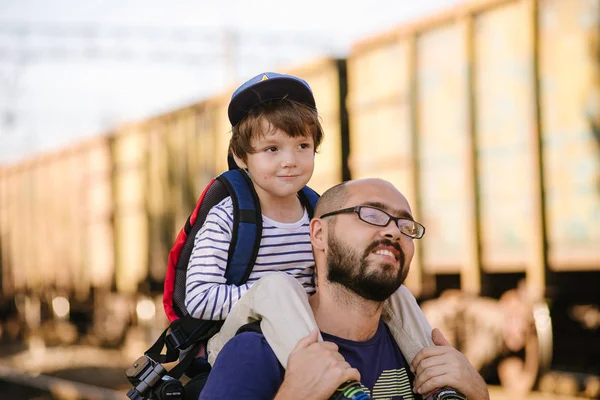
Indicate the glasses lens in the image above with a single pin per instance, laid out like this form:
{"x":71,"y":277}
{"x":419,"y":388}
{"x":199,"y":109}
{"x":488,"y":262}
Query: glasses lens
{"x":373,"y":216}
{"x":410,"y":228}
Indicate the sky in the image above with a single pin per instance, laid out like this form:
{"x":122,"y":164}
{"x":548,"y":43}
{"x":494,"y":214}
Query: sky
{"x":74,"y":69}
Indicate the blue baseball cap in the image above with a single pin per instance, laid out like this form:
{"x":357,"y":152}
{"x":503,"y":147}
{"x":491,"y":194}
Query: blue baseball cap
{"x":265,"y":87}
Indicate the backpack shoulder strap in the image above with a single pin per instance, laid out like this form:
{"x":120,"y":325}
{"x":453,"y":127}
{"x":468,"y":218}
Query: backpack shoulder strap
{"x":309,"y":199}
{"x":179,"y":255}
{"x":247,"y":226}
{"x":245,"y":240}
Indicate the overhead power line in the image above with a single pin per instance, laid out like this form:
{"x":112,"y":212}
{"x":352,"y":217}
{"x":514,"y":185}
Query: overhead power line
{"x":29,"y":43}
{"x":152,"y":33}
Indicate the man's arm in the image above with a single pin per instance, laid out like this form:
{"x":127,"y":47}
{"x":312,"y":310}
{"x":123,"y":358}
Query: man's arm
{"x":246,"y":368}
{"x":442,"y":365}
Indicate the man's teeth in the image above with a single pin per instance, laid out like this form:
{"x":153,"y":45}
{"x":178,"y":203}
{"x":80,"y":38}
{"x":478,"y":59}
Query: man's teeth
{"x":385,"y":253}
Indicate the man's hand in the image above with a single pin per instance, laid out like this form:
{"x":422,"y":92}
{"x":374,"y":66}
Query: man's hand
{"x":442,"y":365}
{"x":315,"y":370}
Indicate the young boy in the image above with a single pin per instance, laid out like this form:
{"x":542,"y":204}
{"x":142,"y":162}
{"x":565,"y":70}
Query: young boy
{"x":276,"y":132}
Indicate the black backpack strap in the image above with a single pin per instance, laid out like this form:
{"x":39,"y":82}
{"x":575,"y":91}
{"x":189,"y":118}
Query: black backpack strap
{"x":154,"y":352}
{"x":309,"y":199}
{"x":247,"y":226}
{"x":188,"y":330}
{"x":181,"y":334}
{"x":172,"y":355}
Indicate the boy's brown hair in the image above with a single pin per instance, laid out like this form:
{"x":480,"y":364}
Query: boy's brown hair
{"x":293,"y":118}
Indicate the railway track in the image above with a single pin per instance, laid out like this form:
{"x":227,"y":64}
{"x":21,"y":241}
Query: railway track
{"x":63,"y":373}
{"x":22,"y":385}
{"x":84,"y":372}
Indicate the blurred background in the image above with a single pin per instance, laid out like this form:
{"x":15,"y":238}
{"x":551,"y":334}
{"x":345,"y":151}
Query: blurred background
{"x":486,"y":114}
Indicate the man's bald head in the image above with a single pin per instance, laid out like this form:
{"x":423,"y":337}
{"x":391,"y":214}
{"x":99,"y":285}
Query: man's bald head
{"x":332,"y":199}
{"x":336,"y":197}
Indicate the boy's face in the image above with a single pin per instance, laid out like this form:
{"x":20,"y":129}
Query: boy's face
{"x":280,"y":165}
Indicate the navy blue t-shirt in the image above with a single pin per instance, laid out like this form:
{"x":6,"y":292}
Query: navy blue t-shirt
{"x":248,"y":369}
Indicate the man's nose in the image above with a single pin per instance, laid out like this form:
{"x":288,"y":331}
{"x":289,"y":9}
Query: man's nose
{"x":391,"y":231}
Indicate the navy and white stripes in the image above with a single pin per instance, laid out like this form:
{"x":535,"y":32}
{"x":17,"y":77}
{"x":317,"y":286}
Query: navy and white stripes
{"x":283,"y":247}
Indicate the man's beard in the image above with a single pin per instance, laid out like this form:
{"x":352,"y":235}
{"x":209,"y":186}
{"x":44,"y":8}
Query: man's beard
{"x":350,"y":270}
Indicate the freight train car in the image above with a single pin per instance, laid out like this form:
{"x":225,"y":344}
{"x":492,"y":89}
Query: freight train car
{"x":85,"y":232}
{"x":487,"y":117}
{"x":56,"y":235}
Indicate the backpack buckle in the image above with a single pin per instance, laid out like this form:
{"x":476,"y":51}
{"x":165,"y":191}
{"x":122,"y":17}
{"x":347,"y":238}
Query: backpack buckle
{"x":176,"y":338}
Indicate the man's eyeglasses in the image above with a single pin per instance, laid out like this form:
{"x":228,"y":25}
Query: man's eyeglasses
{"x":377,"y":217}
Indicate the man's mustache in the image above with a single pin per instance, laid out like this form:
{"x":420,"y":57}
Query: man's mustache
{"x":385,"y":242}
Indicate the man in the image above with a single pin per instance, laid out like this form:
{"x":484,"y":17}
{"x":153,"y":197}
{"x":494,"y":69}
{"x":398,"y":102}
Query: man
{"x":363,"y":244}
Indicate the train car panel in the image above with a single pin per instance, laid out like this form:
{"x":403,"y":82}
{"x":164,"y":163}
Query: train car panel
{"x":6,"y":285}
{"x":504,"y":119}
{"x":368,"y":87}
{"x":158,"y":200}
{"x":15,"y":275}
{"x":202,"y":153}
{"x":75,"y":221}
{"x":59,"y":177}
{"x":68,"y":214}
{"x":570,"y":99}
{"x":442,"y":108}
{"x":52,"y":230}
{"x":29,"y":239}
{"x":381,"y":145}
{"x":174,"y":182}
{"x":381,"y":122}
{"x":131,"y":241}
{"x":44,"y":194}
{"x":12,"y":230}
{"x":99,"y":246}
{"x":222,"y":129}
{"x":63,"y":211}
{"x":180,"y":125}
{"x":4,"y":274}
{"x":17,"y":272}
{"x":78,"y":201}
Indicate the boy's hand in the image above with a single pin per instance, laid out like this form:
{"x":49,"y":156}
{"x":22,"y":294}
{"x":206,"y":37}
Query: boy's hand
{"x":315,"y":370}
{"x":442,"y":365}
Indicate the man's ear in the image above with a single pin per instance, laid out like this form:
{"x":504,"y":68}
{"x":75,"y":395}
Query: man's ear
{"x":240,"y":163}
{"x":318,"y":234}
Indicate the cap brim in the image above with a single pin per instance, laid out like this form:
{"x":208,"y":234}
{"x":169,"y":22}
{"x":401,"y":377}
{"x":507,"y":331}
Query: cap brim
{"x":269,"y":89}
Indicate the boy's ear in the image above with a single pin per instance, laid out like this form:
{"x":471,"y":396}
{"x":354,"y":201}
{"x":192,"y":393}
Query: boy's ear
{"x":240,"y":163}
{"x":318,"y":234}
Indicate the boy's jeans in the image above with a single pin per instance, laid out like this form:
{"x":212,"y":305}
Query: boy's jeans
{"x":281,"y":303}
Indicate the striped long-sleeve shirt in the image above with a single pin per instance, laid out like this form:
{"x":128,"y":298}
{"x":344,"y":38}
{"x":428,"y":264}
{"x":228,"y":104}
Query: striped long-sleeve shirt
{"x":283,"y":247}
